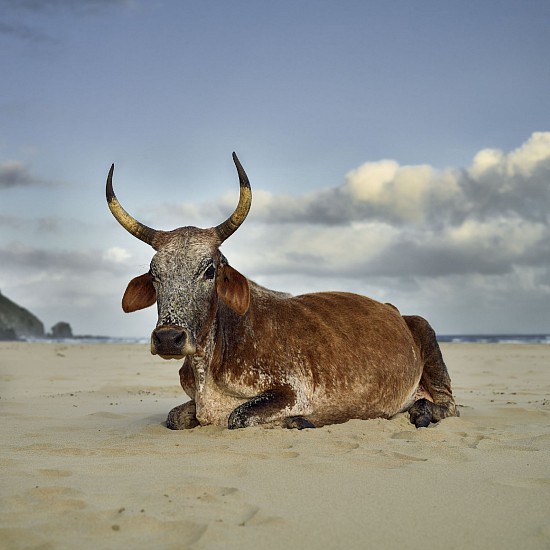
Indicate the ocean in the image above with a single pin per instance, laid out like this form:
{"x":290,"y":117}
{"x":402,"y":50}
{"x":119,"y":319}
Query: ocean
{"x":453,"y":338}
{"x":495,"y":338}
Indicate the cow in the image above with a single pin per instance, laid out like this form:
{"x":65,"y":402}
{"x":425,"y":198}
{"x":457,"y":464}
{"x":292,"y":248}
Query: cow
{"x":253,"y":356}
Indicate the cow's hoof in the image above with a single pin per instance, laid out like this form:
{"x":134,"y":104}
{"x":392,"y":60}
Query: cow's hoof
{"x":182,"y":417}
{"x":421,"y":413}
{"x":298,"y":423}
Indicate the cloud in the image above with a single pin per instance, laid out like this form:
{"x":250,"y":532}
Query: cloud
{"x":398,"y":222}
{"x":19,"y":12}
{"x":382,"y":250}
{"x":496,"y":185}
{"x":116,"y":254}
{"x":10,"y":221}
{"x":20,"y":259}
{"x":18,"y":226}
{"x":47,"y":225}
{"x":517,"y":183}
{"x":469,"y":248}
{"x":24,"y":32}
{"x":401,"y":221}
{"x":486,"y":248}
{"x":51,"y":5}
{"x":15,"y":174}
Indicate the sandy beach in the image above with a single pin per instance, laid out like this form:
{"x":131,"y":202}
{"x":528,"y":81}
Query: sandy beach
{"x":88,"y":463}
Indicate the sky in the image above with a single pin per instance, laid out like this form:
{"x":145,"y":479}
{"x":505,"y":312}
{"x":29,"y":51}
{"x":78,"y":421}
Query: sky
{"x":395,"y":149}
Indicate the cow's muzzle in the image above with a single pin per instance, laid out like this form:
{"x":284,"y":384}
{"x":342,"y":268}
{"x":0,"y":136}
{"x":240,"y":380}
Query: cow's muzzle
{"x":171,"y":342}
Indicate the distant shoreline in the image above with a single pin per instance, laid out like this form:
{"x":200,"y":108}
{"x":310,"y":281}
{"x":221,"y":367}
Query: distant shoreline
{"x":443,"y":338}
{"x":494,"y":338}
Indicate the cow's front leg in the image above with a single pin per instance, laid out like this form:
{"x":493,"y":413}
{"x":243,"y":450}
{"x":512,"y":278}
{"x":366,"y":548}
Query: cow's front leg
{"x":183,"y":417}
{"x":266,"y":408}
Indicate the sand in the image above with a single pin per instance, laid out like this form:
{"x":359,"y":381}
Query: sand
{"x":86,"y":462}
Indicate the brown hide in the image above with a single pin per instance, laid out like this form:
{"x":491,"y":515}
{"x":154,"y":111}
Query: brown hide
{"x":345,"y":356}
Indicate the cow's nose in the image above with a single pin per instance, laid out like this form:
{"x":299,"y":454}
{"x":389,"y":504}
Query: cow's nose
{"x":169,"y":342}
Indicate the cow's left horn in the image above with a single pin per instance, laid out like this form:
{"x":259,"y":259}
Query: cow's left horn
{"x":229,"y":226}
{"x":137,"y":229}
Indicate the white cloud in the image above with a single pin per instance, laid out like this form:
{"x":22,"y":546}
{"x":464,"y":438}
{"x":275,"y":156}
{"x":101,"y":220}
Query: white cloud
{"x":369,"y":181}
{"x":315,"y":250}
{"x":526,"y":159}
{"x":402,"y":193}
{"x":485,"y":161}
{"x":495,"y":185}
{"x":117,"y":255}
{"x":510,"y":237}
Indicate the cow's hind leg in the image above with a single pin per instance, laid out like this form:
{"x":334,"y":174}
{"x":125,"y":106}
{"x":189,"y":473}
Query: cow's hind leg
{"x":435,"y":377}
{"x":267,"y":408}
{"x":183,"y":417}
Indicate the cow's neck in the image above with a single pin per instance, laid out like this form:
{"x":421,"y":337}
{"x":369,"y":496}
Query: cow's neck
{"x":203,"y":359}
{"x":213,"y":403}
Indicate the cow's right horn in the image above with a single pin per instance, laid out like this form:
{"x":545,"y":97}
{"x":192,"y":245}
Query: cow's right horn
{"x":229,"y":226}
{"x":137,"y":229}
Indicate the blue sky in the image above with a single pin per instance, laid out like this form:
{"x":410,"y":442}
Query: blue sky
{"x":397,"y":149}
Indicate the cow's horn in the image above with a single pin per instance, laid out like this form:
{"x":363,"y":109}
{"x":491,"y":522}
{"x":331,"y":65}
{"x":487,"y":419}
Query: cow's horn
{"x":229,"y":226}
{"x":137,"y":229}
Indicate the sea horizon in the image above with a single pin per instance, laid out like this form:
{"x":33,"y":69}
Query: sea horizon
{"x":496,"y":338}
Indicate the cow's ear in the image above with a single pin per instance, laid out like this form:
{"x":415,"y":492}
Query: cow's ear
{"x":140,"y":293}
{"x":233,"y":289}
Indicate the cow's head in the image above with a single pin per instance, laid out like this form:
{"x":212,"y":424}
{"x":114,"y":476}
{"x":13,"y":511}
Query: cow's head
{"x":188,"y":276}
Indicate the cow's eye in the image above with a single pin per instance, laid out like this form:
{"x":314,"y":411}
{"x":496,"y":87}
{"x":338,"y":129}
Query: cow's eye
{"x":210,"y":273}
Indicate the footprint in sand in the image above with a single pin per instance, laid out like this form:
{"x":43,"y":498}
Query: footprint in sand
{"x":105,"y":414}
{"x":273,"y":455}
{"x":525,"y":483}
{"x":218,"y":504}
{"x":45,"y":500}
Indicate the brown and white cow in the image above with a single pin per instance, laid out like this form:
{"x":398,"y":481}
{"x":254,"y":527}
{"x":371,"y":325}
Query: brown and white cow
{"x":253,"y":356}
